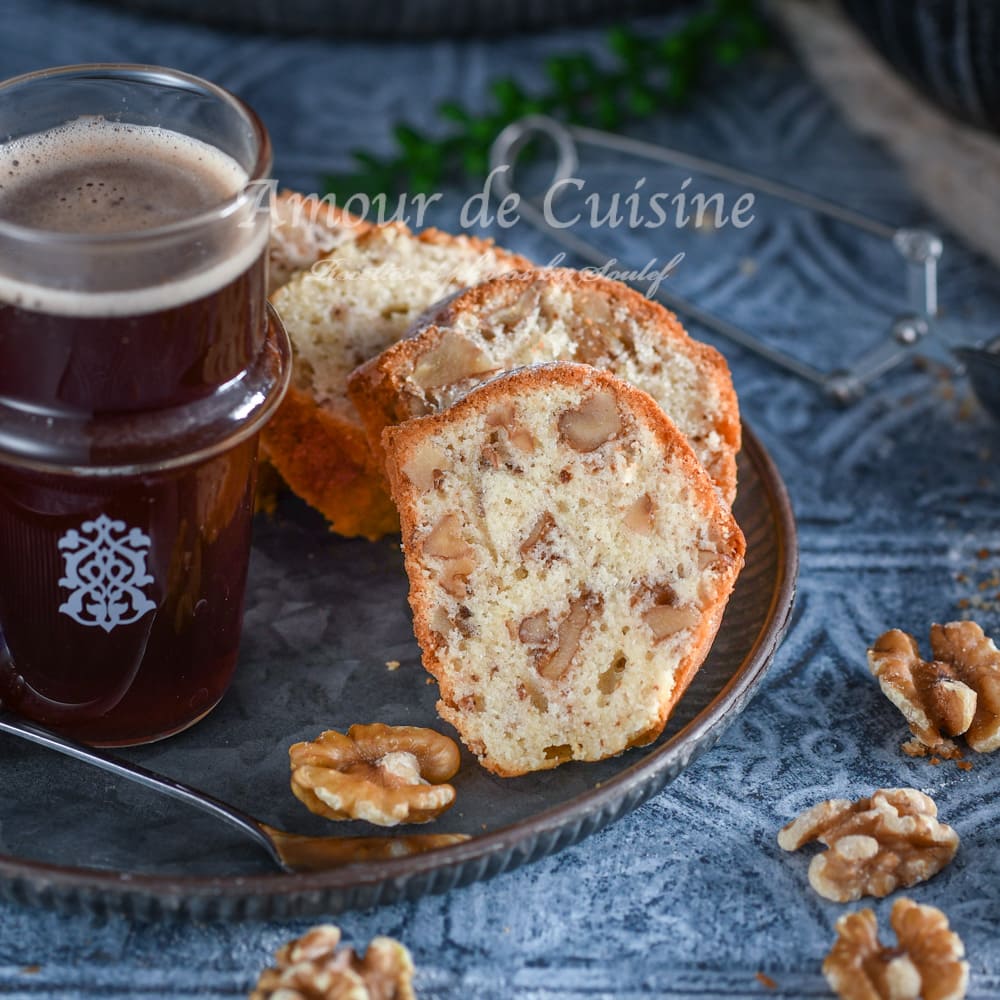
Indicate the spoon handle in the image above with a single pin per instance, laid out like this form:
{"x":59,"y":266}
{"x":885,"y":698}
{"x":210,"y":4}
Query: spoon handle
{"x":16,"y":726}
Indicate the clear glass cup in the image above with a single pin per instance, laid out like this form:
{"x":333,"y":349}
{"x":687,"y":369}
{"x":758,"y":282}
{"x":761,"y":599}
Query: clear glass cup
{"x":137,"y":368}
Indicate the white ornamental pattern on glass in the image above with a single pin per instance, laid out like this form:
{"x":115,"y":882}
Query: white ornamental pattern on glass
{"x":105,"y":571}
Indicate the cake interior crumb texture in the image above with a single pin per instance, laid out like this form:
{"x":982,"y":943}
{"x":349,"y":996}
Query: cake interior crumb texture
{"x":561,"y":595}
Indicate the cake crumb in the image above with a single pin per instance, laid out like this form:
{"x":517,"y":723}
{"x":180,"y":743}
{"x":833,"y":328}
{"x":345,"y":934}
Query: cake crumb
{"x":963,"y":765}
{"x":765,"y":980}
{"x":30,"y":970}
{"x":392,"y":664}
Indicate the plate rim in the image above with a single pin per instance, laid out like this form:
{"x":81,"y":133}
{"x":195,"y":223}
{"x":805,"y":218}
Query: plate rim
{"x":277,"y":895}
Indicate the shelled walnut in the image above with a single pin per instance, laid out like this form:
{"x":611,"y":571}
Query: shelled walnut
{"x":927,"y":962}
{"x":445,"y":542}
{"x":889,"y":841}
{"x":593,"y":422}
{"x":455,"y":359}
{"x":662,"y":614}
{"x":315,"y":967}
{"x":957,"y":693}
{"x":555,"y":644}
{"x":384,"y":775}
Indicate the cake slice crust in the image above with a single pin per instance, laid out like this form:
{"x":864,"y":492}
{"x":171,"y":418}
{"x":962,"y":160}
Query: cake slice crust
{"x":569,"y":563}
{"x":303,"y":229}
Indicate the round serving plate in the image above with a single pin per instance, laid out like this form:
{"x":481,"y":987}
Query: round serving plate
{"x":328,"y":642}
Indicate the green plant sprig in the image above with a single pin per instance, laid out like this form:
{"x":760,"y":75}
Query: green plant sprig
{"x":651,"y":73}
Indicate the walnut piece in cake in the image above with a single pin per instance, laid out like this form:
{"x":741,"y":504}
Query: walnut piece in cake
{"x":876,"y":845}
{"x":956,"y":693}
{"x":315,"y":967}
{"x":928,"y":961}
{"x":385,"y":775}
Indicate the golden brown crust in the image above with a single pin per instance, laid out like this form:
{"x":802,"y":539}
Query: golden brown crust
{"x":438,"y":237}
{"x":325,"y":461}
{"x":401,"y":442}
{"x":303,"y":228}
{"x":380,"y":393}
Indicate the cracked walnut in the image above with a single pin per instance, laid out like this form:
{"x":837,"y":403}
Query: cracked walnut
{"x":385,"y":775}
{"x":956,"y":693}
{"x":315,"y":967}
{"x":876,"y":845}
{"x":928,"y":961}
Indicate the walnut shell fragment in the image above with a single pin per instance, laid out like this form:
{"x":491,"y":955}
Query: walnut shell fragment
{"x":956,"y":693}
{"x":928,"y":961}
{"x":889,"y":841}
{"x":385,"y":775}
{"x":315,"y":967}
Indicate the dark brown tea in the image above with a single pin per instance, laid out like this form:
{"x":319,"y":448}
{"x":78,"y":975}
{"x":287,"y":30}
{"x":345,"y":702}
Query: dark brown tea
{"x":121,"y":592}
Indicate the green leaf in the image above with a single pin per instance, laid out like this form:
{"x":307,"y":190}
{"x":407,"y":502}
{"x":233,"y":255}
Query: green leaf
{"x":678,"y":86}
{"x":642,"y":102}
{"x":366,"y":160}
{"x":608,"y":114}
{"x":476,"y":162}
{"x":453,"y":111}
{"x":672,"y":47}
{"x":625,"y":44}
{"x":728,"y":51}
{"x":410,"y":141}
{"x":558,"y":70}
{"x":509,"y":96}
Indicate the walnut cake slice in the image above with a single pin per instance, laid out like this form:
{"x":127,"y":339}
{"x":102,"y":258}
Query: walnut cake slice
{"x":569,"y":563}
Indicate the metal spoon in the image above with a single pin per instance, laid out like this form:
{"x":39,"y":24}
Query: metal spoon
{"x":291,"y":852}
{"x":983,"y":367}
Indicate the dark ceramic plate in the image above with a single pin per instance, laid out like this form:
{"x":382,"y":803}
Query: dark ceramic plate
{"x":324,"y":615}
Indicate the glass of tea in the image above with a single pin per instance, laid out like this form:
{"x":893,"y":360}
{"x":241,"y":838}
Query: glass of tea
{"x":138,"y":362}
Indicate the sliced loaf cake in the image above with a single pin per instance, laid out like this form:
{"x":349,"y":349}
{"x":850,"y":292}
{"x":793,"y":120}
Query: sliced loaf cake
{"x":556,"y":314}
{"x":351,"y":305}
{"x":569,"y":563}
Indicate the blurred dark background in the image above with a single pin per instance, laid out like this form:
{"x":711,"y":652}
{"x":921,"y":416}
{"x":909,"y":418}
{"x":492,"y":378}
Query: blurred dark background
{"x":949,"y":48}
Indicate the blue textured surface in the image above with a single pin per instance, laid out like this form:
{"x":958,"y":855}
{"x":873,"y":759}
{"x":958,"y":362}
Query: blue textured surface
{"x":896,"y":497}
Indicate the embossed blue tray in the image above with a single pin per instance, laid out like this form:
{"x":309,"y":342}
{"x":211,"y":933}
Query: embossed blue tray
{"x":324,"y":617}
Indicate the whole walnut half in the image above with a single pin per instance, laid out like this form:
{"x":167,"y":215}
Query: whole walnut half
{"x":927,"y":962}
{"x":315,"y":967}
{"x":956,"y":693}
{"x":889,"y":841}
{"x":385,"y":775}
